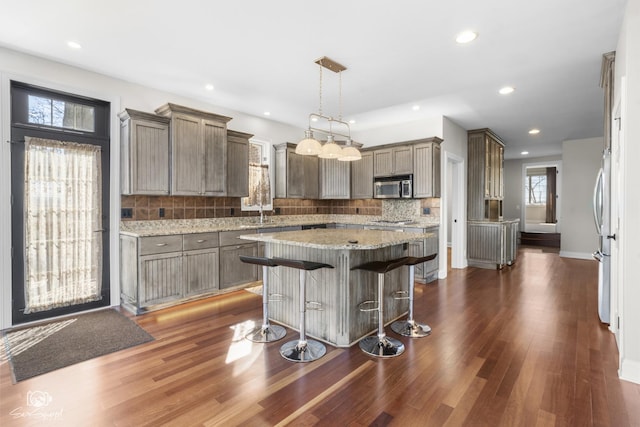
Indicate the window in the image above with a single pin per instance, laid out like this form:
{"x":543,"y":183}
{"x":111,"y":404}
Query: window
{"x":62,"y":114}
{"x":260,"y":194}
{"x":536,"y":187}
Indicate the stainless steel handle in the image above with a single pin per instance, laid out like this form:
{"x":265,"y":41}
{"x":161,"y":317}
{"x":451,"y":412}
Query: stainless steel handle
{"x":200,"y":240}
{"x":102,"y":230}
{"x":161,"y":244}
{"x":597,"y":202}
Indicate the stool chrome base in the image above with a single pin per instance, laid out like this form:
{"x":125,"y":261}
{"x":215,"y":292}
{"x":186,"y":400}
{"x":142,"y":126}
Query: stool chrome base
{"x":263,"y":334}
{"x":302,"y":351}
{"x":409,"y":328}
{"x":381,"y":347}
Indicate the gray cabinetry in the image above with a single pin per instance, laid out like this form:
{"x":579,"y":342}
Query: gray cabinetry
{"x":198,"y":151}
{"x":234,"y":272}
{"x":237,"y":163}
{"x":157,"y":271}
{"x":335,"y":179}
{"x":427,"y":271}
{"x":296,"y":175}
{"x":426,"y":169}
{"x":485,"y":175}
{"x":144,"y":153}
{"x":396,"y":160}
{"x":362,"y":177}
{"x":492,"y":244}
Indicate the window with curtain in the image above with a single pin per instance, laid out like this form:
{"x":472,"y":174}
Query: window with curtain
{"x":536,"y":186}
{"x":62,"y":224}
{"x":260,"y":195}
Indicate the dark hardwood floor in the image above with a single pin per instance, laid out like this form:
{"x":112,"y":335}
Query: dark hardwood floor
{"x":517,"y":347}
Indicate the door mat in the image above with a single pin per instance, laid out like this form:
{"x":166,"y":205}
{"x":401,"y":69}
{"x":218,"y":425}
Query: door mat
{"x":43,"y":348}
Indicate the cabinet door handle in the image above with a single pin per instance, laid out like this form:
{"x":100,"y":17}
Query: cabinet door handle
{"x":201,"y":240}
{"x":161,"y":244}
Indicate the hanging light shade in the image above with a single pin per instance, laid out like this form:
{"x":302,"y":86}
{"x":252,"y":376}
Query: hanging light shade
{"x":330,"y":150}
{"x":308,"y":146}
{"x":350,"y":153}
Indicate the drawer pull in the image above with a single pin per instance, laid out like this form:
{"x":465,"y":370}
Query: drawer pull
{"x":201,"y":241}
{"x":161,"y":244}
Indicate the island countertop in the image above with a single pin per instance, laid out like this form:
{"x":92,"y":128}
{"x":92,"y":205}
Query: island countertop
{"x":340,"y":239}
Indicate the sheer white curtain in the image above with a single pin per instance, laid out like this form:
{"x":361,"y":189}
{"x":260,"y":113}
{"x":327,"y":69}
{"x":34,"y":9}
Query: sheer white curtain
{"x":62,"y":224}
{"x":259,"y":186}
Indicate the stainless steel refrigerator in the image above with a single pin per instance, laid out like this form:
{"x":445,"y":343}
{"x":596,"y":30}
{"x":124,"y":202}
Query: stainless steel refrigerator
{"x":602,"y":218}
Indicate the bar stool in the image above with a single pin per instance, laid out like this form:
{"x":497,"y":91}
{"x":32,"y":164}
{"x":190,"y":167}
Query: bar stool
{"x":409,"y":327}
{"x":381,"y":345}
{"x":266,"y":332}
{"x":302,"y":350}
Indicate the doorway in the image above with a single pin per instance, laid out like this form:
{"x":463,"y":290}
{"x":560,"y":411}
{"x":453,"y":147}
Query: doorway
{"x":452,"y":241}
{"x":60,"y":203}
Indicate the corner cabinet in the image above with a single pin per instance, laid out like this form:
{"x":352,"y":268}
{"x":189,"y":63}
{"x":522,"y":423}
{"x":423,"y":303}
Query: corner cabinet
{"x":144,"y":153}
{"x":296,"y":175}
{"x":237,"y":163}
{"x":198,"y":151}
{"x":362,"y":177}
{"x":426,"y":168}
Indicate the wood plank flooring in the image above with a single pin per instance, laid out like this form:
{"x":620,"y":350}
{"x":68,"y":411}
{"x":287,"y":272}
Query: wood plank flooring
{"x":517,"y":347}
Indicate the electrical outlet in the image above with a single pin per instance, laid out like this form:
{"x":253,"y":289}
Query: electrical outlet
{"x":277,"y":210}
{"x":357,"y":210}
{"x":233,"y":211}
{"x":426,"y":211}
{"x":161,"y":212}
{"x":126,"y":213}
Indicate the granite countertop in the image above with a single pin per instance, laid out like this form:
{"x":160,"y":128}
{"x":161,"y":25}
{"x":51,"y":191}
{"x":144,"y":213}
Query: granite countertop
{"x":188,"y":226}
{"x":332,"y":238}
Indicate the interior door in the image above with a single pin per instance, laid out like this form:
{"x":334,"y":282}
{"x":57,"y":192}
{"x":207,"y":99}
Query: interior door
{"x":40,"y":278}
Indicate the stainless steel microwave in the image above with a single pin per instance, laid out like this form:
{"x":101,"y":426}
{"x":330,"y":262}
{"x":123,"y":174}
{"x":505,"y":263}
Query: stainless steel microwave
{"x":393,"y":187}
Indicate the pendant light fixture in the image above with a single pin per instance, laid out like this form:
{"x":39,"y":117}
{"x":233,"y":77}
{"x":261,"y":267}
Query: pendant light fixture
{"x":310,"y":146}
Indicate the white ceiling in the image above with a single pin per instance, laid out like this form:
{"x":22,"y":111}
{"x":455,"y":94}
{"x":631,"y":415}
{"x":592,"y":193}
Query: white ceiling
{"x":260,"y":57}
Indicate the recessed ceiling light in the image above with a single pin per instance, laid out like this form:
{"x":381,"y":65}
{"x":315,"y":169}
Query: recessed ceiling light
{"x":466,"y":37}
{"x":524,"y":153}
{"x":267,"y":113}
{"x":209,"y":86}
{"x":415,"y":107}
{"x":506,"y":90}
{"x":352,"y":121}
{"x":74,"y":45}
{"x":534,"y":131}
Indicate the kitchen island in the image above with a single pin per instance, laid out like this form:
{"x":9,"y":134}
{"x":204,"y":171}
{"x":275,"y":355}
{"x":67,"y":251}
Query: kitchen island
{"x":337,"y":291}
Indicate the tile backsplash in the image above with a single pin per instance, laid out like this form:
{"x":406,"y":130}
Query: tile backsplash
{"x":191,"y":207}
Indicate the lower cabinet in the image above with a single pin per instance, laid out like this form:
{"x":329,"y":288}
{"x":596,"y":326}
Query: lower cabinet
{"x":492,"y":244}
{"x":235,"y":272}
{"x":160,"y":278}
{"x":158,"y":271}
{"x":427,"y":271}
{"x":201,"y":271}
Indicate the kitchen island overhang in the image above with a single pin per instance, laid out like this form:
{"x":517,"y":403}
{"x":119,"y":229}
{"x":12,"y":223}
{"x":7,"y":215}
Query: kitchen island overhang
{"x":337,"y":292}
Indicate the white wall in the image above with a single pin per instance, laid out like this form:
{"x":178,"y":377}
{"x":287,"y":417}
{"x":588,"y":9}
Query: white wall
{"x":628,"y":65}
{"x":454,"y":159}
{"x":121,"y":94}
{"x":514,"y":185}
{"x":581,"y":160}
{"x":408,"y":131}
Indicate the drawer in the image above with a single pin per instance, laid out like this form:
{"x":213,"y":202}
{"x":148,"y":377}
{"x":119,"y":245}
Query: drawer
{"x":200,"y":241}
{"x":228,"y":238}
{"x":160,"y":244}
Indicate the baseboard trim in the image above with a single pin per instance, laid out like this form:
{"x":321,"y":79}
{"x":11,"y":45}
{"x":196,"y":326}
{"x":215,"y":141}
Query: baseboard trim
{"x":578,"y":255}
{"x":629,"y":371}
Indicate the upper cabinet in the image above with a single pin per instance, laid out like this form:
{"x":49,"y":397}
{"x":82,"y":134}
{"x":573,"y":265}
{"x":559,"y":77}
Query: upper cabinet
{"x":296,"y":175}
{"x":237,"y":163}
{"x":335,"y":179}
{"x":198,"y":151}
{"x":144,"y":153}
{"x":426,"y":168}
{"x":396,"y":160}
{"x":485,"y":175}
{"x":362,"y":177}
